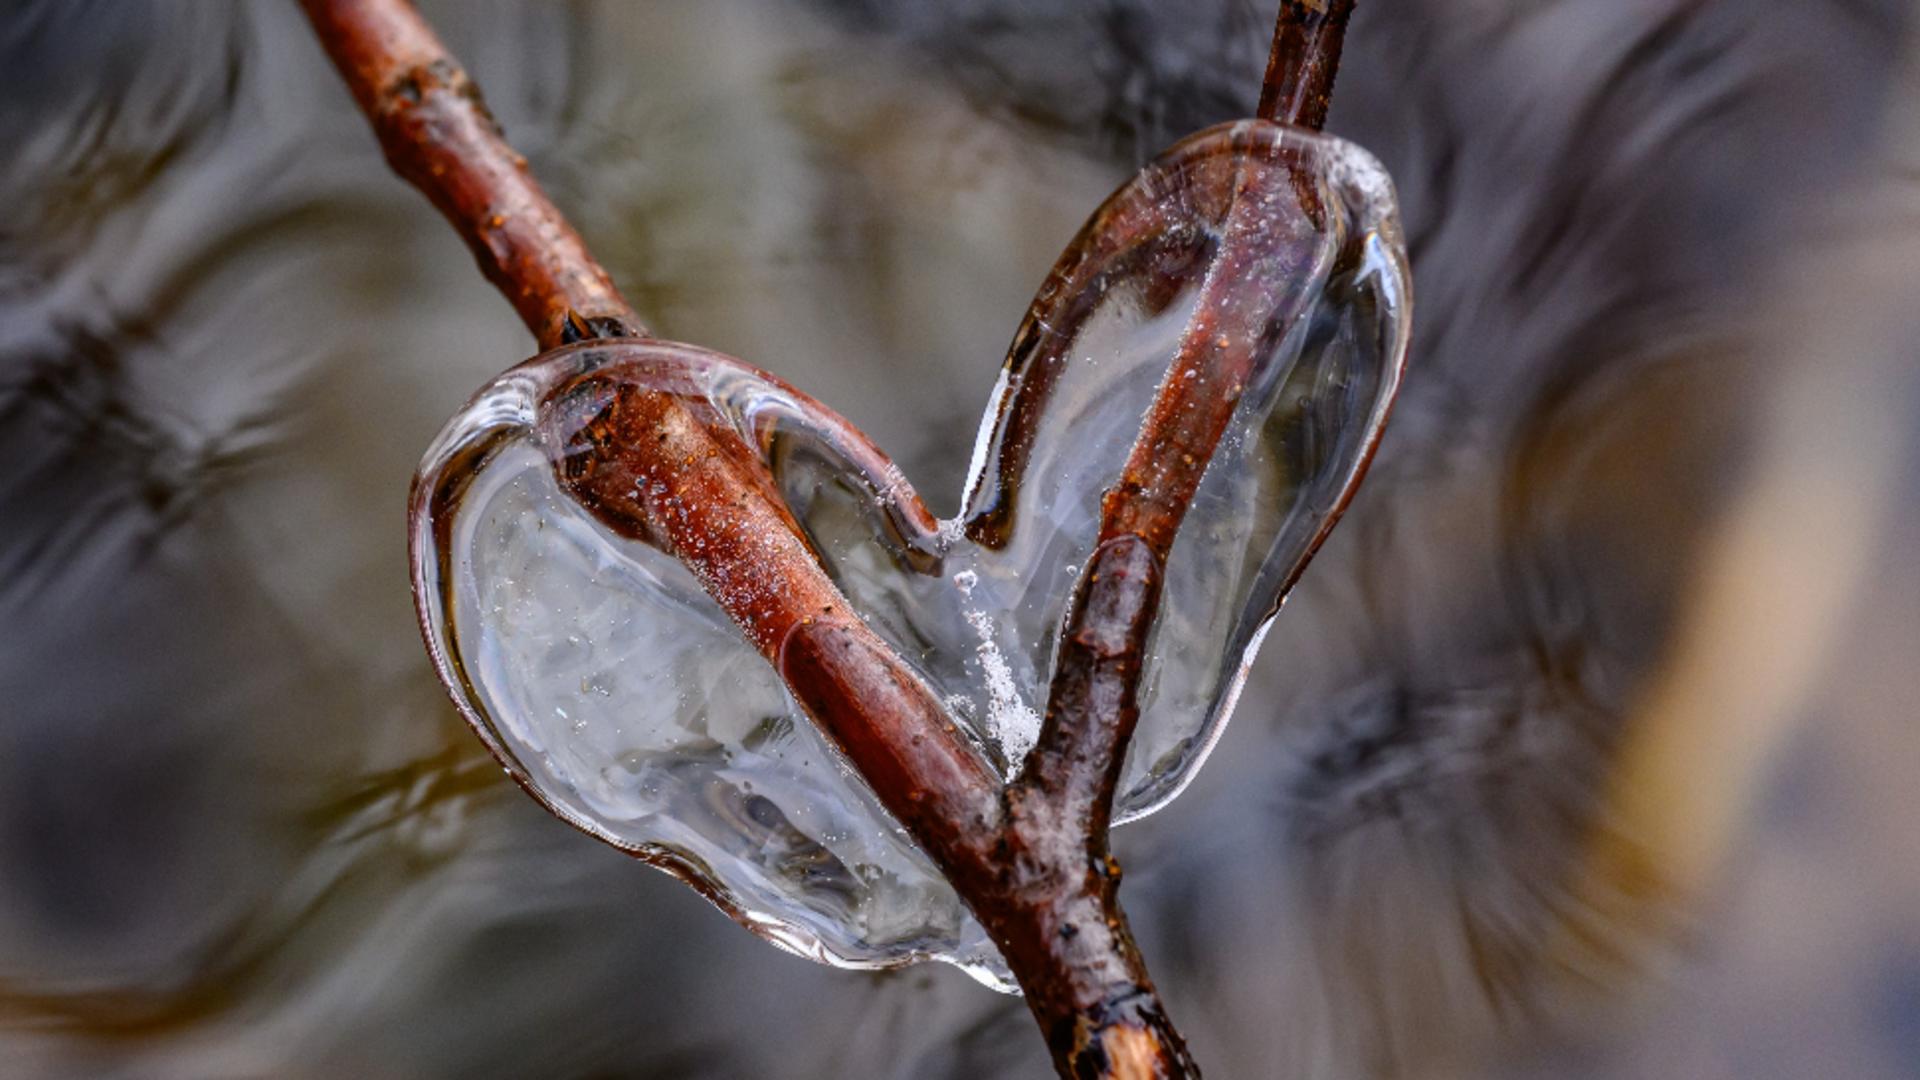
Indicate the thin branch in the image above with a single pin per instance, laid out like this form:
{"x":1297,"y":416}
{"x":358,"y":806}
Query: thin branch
{"x":1067,"y":787}
{"x":1030,"y":858}
{"x":738,"y":540}
{"x":646,"y":465}
{"x":1304,"y":59}
{"x":438,"y":135}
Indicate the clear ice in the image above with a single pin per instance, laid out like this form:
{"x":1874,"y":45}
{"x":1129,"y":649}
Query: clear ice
{"x":618,"y":693}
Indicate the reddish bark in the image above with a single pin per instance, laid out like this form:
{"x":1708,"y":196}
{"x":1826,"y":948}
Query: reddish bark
{"x":1092,"y":705}
{"x":1030,"y":858}
{"x":438,"y":135}
{"x":640,"y":458}
{"x":1303,"y":61}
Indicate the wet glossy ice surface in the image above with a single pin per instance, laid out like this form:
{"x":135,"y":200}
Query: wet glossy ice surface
{"x":611,"y":685}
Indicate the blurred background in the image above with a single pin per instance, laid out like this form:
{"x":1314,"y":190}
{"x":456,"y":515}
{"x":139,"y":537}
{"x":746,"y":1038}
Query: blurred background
{"x":1587,"y":748}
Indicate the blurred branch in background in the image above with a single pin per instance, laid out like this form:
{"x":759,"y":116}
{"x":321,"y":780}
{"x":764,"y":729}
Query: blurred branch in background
{"x":1774,"y":592}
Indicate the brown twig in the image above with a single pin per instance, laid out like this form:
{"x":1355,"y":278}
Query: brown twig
{"x":438,"y":135}
{"x":1074,"y":769}
{"x":1303,"y":61}
{"x":1030,"y":858}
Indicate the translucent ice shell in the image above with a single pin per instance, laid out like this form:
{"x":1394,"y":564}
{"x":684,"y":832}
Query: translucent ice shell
{"x":619,"y":694}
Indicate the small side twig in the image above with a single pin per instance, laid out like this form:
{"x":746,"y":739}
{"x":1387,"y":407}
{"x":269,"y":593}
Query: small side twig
{"x":1030,"y":858}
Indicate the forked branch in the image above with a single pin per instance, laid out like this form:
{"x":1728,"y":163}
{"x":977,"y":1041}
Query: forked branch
{"x":1030,"y":858}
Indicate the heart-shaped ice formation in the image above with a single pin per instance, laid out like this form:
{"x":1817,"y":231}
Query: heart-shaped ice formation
{"x":614,"y":688}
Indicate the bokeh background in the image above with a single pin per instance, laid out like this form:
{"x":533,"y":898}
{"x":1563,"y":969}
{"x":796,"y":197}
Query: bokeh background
{"x":1587,"y":748}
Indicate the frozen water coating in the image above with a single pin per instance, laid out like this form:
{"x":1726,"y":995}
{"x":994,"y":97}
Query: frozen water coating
{"x":611,"y":685}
